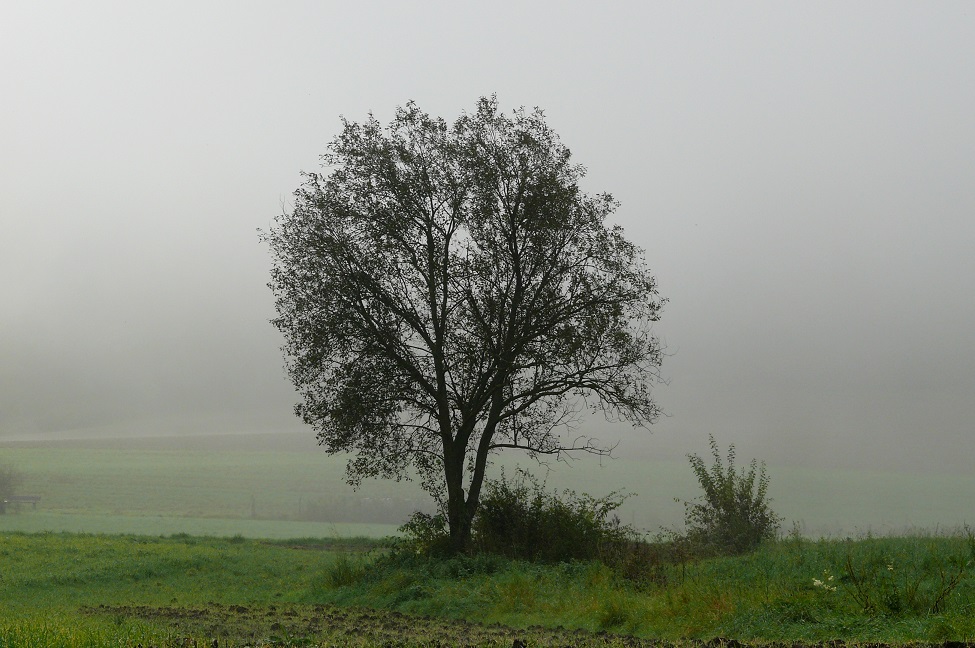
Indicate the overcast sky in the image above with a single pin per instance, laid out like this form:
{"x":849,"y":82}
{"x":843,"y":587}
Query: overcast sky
{"x":800,"y":174}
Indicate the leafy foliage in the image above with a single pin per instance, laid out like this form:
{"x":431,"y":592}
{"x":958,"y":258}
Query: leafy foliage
{"x":733,"y":516}
{"x":446,"y":293}
{"x":519,"y":519}
{"x":423,"y":535}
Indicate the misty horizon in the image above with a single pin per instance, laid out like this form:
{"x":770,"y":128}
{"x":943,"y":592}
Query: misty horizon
{"x":800,"y":178}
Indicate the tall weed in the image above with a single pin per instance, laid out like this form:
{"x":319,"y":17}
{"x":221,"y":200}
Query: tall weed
{"x":734,"y":514}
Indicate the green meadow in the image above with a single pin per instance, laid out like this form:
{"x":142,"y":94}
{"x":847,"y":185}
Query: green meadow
{"x":52,"y":583}
{"x":241,"y":484}
{"x":256,"y":486}
{"x":171,"y":541}
{"x":161,"y":525}
{"x":101,"y":590}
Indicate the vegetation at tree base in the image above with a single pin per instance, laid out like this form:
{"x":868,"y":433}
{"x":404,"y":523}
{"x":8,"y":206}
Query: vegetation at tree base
{"x":518,"y":519}
{"x":446,"y":293}
{"x":85,"y":590}
{"x":733,"y":516}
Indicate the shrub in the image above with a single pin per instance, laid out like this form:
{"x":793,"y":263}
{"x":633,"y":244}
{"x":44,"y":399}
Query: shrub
{"x":518,"y":519}
{"x":643,"y":563}
{"x":423,"y":535}
{"x":733,"y":516}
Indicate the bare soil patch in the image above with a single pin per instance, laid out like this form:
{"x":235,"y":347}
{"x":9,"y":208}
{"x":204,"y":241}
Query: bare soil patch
{"x":293,"y":625}
{"x":298,"y":625}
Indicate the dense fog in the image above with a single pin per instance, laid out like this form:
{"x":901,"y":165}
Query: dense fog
{"x":799,"y":176}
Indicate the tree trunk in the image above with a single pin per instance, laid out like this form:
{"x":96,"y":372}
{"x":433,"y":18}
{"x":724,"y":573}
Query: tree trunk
{"x":458,"y":519}
{"x":460,"y":532}
{"x":461,"y":506}
{"x":461,"y":509}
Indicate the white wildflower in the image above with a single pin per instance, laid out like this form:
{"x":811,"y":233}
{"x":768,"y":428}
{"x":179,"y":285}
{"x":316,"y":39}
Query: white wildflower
{"x":825,"y":584}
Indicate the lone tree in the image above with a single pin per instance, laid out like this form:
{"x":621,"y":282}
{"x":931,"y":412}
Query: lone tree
{"x":449,"y":292}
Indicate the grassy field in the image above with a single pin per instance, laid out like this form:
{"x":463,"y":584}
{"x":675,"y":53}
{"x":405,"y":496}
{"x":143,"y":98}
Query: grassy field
{"x":889,"y":590}
{"x":204,"y":553}
{"x":52,"y":583}
{"x":30,"y":522}
{"x":133,"y":482}
{"x":95,"y":590}
{"x":219,"y":477}
{"x":258,"y":486}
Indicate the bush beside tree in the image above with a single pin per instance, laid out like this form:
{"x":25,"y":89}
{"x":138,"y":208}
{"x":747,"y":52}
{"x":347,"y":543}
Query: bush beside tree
{"x":519,"y":519}
{"x":734,"y":514}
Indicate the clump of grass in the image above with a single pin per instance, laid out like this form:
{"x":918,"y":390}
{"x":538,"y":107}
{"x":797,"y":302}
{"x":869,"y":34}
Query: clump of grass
{"x":71,"y":631}
{"x":68,"y":571}
{"x":345,"y":571}
{"x":613,"y":612}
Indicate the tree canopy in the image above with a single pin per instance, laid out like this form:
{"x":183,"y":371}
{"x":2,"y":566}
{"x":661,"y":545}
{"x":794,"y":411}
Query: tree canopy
{"x":448,"y":292}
